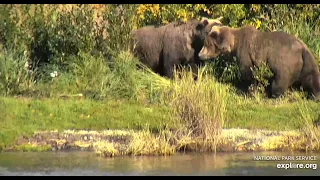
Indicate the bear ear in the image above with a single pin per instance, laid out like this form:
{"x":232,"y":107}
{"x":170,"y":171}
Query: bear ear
{"x":214,"y":33}
{"x":204,"y":21}
{"x":220,"y":18}
{"x":215,"y":22}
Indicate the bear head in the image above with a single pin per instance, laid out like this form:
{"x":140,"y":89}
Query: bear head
{"x":220,"y":40}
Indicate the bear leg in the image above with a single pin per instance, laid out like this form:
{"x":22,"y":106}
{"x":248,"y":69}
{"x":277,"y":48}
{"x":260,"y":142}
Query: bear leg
{"x":311,"y":83}
{"x":248,"y":80}
{"x":279,"y":85}
{"x":168,"y":69}
{"x":194,"y":69}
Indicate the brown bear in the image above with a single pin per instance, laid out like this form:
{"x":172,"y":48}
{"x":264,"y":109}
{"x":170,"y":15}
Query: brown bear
{"x":289,"y":58}
{"x":178,"y":43}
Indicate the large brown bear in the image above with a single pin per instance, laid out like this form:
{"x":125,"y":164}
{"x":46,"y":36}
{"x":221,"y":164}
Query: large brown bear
{"x":288,"y":57}
{"x":177,"y":43}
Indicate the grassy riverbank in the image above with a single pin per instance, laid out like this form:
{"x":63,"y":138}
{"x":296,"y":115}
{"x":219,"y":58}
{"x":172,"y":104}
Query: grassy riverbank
{"x":66,"y":68}
{"x":22,"y":117}
{"x":96,"y":95}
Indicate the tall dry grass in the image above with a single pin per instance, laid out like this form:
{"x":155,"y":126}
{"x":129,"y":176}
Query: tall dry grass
{"x":200,"y":105}
{"x":310,"y":124}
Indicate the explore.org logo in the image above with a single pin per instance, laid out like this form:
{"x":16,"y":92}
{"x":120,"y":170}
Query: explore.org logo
{"x":290,"y":165}
{"x":297,"y":166}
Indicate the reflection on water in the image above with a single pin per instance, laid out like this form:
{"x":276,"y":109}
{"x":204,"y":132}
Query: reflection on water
{"x":87,"y":163}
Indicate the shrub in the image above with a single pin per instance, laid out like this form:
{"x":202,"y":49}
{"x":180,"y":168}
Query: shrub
{"x":200,"y":105}
{"x":55,"y":37}
{"x":14,"y":76}
{"x":262,"y":75}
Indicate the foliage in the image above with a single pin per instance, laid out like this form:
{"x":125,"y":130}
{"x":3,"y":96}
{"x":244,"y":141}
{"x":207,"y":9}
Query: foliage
{"x":50,"y":34}
{"x":205,"y":119}
{"x":262,"y":75}
{"x":165,"y":13}
{"x":14,"y":76}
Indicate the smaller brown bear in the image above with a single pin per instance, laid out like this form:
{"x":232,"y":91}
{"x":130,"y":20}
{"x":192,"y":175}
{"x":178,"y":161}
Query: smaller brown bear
{"x":289,"y":58}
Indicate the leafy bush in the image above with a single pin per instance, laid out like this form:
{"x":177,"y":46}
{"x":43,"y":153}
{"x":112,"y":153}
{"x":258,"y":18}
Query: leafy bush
{"x":262,"y":75}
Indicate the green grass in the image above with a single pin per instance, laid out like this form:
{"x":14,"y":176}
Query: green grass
{"x":267,"y":116}
{"x":21,"y":116}
{"x":32,"y":148}
{"x":118,"y":96}
{"x":24,"y":116}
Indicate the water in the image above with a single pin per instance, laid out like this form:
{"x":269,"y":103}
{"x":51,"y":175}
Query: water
{"x":88,"y":164}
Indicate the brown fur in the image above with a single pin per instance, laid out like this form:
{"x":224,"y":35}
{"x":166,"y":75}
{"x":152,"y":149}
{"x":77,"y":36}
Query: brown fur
{"x":178,"y":43}
{"x":289,"y":58}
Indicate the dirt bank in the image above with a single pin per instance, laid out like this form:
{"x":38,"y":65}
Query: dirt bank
{"x":129,"y":142}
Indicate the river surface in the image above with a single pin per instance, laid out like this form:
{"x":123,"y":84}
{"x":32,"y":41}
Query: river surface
{"x":88,"y":164}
